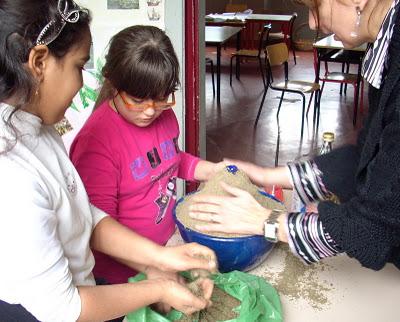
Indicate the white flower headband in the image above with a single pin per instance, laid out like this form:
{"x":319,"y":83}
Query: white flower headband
{"x":52,"y":30}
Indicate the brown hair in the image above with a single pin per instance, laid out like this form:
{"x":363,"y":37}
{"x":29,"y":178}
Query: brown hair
{"x":141,"y":61}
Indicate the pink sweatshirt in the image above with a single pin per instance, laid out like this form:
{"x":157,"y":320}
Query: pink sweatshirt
{"x":130,"y":173}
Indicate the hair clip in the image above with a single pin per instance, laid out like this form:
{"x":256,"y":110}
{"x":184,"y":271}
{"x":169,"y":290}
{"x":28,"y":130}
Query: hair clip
{"x":51,"y":31}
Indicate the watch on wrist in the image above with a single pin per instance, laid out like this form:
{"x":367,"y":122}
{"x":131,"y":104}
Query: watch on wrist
{"x":271,"y":226}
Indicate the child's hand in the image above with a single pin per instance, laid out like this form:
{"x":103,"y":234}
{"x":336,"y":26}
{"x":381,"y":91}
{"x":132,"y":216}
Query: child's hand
{"x":182,"y":299}
{"x":205,"y":170}
{"x":186,"y":257}
{"x":154,"y":273}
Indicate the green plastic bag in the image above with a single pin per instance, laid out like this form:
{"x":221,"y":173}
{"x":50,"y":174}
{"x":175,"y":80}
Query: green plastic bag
{"x":259,"y":300}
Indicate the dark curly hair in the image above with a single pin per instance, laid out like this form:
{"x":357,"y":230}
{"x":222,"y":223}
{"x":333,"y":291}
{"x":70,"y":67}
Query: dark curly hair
{"x":21,"y":22}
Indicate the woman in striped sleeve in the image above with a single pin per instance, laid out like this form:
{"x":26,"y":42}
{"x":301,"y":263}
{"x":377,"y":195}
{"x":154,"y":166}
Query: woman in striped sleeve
{"x":365,"y":177}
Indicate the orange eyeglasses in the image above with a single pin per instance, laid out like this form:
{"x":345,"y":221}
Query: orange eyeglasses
{"x":156,"y":105}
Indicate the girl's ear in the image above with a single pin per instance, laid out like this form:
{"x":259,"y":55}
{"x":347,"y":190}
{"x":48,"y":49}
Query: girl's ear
{"x":37,"y":61}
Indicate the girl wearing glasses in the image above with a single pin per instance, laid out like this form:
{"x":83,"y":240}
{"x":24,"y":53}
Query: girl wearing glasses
{"x":127,"y":153}
{"x":47,"y":225}
{"x":365,"y":176}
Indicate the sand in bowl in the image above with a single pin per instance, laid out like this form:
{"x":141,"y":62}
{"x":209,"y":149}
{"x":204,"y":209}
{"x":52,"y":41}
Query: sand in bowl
{"x":233,"y":177}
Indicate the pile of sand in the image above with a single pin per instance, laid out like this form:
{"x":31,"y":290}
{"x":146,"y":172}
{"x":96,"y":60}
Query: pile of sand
{"x":233,"y":177}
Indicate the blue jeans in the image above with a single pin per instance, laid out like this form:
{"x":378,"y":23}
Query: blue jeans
{"x":15,"y":313}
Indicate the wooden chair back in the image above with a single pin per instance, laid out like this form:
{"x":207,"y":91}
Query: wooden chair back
{"x":230,"y":7}
{"x":277,"y":54}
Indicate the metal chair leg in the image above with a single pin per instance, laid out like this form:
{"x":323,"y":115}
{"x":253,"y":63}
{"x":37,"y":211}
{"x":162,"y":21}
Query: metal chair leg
{"x":309,"y":103}
{"x":261,"y":105}
{"x":315,"y":107}
{"x":341,"y":84}
{"x":345,"y":85}
{"x":302,"y":116}
{"x":294,"y":52}
{"x":318,"y":108}
{"x":322,"y":87}
{"x":212,"y":76}
{"x":261,"y":70}
{"x":230,"y":75}
{"x":270,"y":78}
{"x":280,"y":104}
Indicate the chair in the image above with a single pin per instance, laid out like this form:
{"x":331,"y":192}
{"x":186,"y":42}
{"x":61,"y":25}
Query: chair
{"x":344,"y":77}
{"x":285,"y":36}
{"x":277,"y":55}
{"x":230,"y":7}
{"x":210,"y":62}
{"x":252,"y":53}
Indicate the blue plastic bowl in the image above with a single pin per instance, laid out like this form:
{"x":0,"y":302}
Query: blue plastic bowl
{"x":237,"y":253}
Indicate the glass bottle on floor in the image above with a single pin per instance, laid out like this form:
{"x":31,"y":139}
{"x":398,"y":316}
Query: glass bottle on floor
{"x":327,"y":140}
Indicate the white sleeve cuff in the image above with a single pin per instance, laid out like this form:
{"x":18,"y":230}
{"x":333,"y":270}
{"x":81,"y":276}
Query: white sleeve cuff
{"x":97,"y":215}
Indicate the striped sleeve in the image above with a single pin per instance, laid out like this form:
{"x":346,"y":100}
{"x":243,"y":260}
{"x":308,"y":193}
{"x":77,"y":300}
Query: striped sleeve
{"x":377,"y":56}
{"x":308,"y":239}
{"x":307,"y":181}
{"x":306,"y":234}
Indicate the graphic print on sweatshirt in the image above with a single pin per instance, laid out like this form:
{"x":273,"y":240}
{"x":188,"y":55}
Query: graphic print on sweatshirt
{"x":142,"y":165}
{"x":163,"y":179}
{"x":164,"y":199}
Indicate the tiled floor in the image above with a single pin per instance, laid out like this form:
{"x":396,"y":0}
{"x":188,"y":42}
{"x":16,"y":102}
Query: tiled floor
{"x":230,"y":128}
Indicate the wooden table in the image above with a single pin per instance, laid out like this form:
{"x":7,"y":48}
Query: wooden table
{"x":253,"y":24}
{"x":217,"y":36}
{"x":325,"y":50}
{"x":329,"y":42}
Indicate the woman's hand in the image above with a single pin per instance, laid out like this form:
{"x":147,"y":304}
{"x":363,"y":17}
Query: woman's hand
{"x":239,"y":213}
{"x":182,"y":299}
{"x":257,"y":174}
{"x":262,"y":176}
{"x":186,"y":257}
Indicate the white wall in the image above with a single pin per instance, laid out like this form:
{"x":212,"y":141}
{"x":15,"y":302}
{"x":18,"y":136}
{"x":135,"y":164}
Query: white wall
{"x":175,"y":29}
{"x":106,"y":22}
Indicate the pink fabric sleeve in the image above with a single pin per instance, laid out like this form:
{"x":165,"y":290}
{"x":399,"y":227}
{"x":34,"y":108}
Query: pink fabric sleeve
{"x":187,"y":166}
{"x":97,"y":167}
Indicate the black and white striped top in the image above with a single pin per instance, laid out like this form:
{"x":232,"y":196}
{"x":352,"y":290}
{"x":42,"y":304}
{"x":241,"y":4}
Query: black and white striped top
{"x":376,"y":57}
{"x":306,"y":234}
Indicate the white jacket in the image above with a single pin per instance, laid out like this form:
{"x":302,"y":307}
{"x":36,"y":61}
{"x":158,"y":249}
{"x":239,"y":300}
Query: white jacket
{"x":45,"y":223}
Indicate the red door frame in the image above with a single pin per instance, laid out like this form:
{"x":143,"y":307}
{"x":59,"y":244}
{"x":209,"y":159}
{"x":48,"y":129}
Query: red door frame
{"x":192,"y":81}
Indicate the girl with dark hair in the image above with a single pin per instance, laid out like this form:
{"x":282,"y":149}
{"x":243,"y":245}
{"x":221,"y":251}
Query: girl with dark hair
{"x":47,"y":225}
{"x":366,"y":176}
{"x":127,"y":153}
